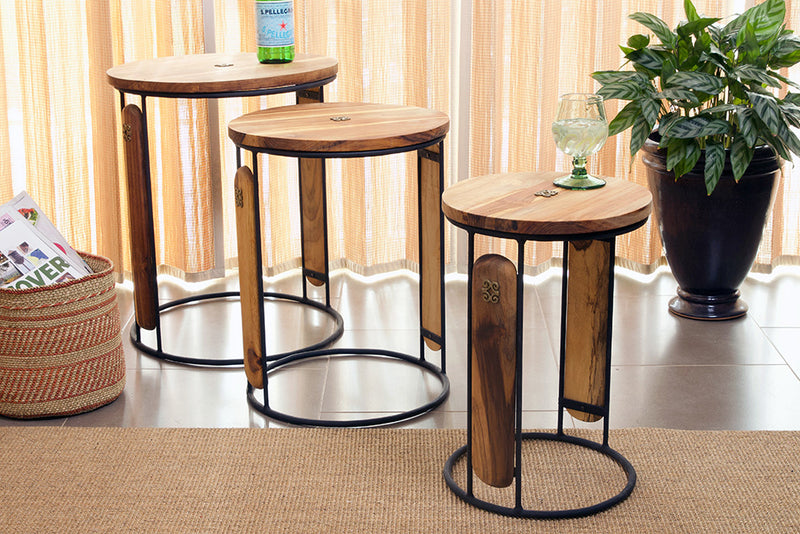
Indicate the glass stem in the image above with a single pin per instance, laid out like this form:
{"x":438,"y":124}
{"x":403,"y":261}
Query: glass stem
{"x":579,"y":168}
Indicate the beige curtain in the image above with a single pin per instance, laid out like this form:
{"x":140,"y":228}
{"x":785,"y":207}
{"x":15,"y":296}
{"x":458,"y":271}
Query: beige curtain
{"x":61,"y":123}
{"x":59,"y":119}
{"x":54,"y":104}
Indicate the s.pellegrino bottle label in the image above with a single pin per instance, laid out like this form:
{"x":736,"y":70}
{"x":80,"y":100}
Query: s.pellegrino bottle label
{"x":275,"y":30}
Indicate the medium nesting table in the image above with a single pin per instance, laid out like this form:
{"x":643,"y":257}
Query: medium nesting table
{"x":527,"y":207}
{"x":207,"y":76}
{"x":313,"y":132}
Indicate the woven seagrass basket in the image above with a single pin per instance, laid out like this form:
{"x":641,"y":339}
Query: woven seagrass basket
{"x":61,"y":346}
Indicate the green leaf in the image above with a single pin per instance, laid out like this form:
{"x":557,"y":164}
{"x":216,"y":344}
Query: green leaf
{"x":702,"y":46}
{"x":748,"y":126}
{"x":767,"y":110}
{"x":697,"y":81}
{"x":666,"y":122}
{"x":716,"y":58}
{"x":646,"y":58}
{"x":786,"y":51}
{"x":737,"y":90}
{"x":731,"y":31}
{"x":694,"y":27}
{"x":793,"y":98}
{"x":690,"y":10}
{"x":657,"y":26}
{"x":638,"y":41}
{"x":777,"y":143}
{"x":623,"y":90}
{"x":676,"y":93}
{"x":716,"y":33}
{"x":668,"y":67}
{"x":617,"y":76}
{"x":783,"y":79}
{"x":698,"y":126}
{"x":747,"y":43}
{"x":682,"y":155}
{"x":650,"y":109}
{"x":716,"y":127}
{"x":789,"y":138}
{"x":751,"y":72}
{"x":766,"y":18}
{"x":641,"y":129}
{"x":741,"y":155}
{"x":625,"y":118}
{"x":715,"y":163}
{"x":791,"y":112}
{"x":722,"y":108}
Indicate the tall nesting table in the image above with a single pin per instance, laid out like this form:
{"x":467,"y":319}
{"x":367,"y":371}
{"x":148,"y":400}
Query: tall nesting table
{"x":527,"y":207}
{"x":207,"y":76}
{"x":313,"y":132}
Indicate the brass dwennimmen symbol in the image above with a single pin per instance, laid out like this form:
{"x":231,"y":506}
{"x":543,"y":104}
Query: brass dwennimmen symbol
{"x":126,"y":131}
{"x":490,"y":291}
{"x":340,"y":118}
{"x":547,"y":193}
{"x":238,"y":197}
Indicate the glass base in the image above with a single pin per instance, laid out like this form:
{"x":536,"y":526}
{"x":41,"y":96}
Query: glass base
{"x":584,"y":182}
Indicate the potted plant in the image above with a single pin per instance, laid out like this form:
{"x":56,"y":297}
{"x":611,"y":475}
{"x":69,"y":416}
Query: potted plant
{"x":713,"y":114}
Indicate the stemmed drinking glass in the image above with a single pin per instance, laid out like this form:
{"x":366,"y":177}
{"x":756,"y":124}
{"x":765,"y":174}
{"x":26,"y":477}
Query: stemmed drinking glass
{"x":580,"y":129}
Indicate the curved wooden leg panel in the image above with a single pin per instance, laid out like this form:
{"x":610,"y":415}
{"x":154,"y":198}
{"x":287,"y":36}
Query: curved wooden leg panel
{"x":140,"y":205}
{"x":430,"y":246}
{"x":312,"y":189}
{"x":494,"y":350}
{"x":587,"y":324}
{"x":249,"y":271}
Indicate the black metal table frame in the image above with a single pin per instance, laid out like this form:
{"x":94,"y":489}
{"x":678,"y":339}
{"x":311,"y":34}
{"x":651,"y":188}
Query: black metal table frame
{"x":518,"y":510}
{"x":309,"y":90}
{"x":271,"y":364}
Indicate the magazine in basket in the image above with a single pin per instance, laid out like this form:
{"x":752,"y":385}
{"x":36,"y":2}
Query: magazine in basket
{"x":33,"y":252}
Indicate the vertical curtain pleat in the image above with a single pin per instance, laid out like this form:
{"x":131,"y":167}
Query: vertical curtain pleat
{"x":35,"y":86}
{"x":107,"y":184}
{"x":6,"y":185}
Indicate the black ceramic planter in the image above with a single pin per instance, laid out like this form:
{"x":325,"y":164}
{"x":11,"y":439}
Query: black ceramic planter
{"x":711,"y":241}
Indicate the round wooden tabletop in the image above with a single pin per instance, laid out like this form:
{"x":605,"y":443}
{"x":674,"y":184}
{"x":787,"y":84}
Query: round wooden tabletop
{"x":338,"y":128}
{"x":509,"y":204}
{"x":209,"y":74}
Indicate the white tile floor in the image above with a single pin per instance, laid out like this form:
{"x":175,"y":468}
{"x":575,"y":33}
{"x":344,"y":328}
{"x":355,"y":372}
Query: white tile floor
{"x":667,"y":371}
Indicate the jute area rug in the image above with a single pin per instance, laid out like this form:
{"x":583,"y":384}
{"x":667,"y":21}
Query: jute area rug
{"x":382,"y":480}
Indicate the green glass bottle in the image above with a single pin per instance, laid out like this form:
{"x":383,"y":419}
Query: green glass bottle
{"x":275,"y":30}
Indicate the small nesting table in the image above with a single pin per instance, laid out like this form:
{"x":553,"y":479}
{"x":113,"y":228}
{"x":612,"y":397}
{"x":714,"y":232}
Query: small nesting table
{"x":207,"y":76}
{"x":525,"y":207}
{"x":313,"y":132}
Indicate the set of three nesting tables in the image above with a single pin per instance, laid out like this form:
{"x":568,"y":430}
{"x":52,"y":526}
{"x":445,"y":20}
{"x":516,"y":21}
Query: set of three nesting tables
{"x":520,"y":207}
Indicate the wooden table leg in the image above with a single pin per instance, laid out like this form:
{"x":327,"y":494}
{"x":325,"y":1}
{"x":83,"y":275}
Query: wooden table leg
{"x":249,"y":245}
{"x":140,"y":207}
{"x":312,"y":202}
{"x":430,"y":228}
{"x":314,"y":220}
{"x":494,"y":355}
{"x":587,"y":324}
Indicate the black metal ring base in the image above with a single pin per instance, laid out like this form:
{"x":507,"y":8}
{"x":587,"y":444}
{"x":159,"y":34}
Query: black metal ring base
{"x":162,"y":355}
{"x":374,"y":421}
{"x":547,"y":514}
